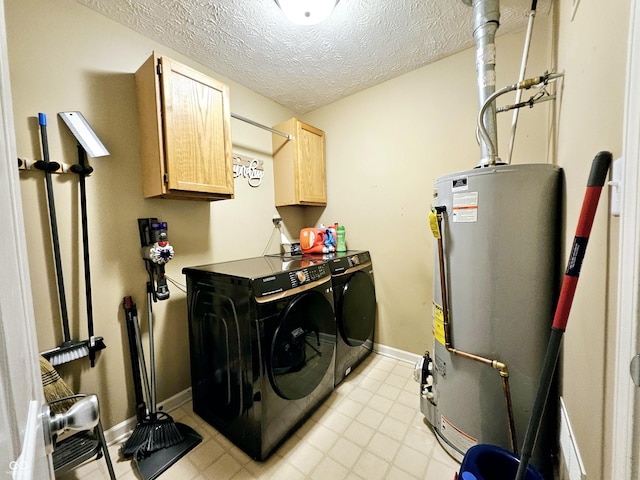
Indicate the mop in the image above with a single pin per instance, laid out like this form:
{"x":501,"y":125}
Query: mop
{"x":88,"y":142}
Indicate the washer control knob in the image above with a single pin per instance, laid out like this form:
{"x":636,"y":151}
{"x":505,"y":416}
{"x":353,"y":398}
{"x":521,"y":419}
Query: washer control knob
{"x":355,"y":260}
{"x":301,"y":276}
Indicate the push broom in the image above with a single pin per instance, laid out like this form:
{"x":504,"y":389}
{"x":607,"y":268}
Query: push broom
{"x":70,"y":349}
{"x":597,"y":177}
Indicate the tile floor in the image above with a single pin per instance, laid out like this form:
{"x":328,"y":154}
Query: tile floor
{"x":369,"y":428}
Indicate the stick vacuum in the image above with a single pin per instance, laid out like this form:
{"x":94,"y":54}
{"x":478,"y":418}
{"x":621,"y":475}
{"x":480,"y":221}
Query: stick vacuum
{"x":157,"y":441}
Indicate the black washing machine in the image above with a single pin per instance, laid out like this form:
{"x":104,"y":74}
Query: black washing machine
{"x":354,"y":298}
{"x":262,"y":346}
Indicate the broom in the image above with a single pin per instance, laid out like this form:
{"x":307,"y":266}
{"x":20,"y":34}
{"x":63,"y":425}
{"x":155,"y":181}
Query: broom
{"x":54,"y":387}
{"x":142,"y":429}
{"x":154,"y":430}
{"x":70,"y":349}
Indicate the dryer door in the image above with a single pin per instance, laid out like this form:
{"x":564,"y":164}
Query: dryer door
{"x":302,"y":346}
{"x":357,"y":309}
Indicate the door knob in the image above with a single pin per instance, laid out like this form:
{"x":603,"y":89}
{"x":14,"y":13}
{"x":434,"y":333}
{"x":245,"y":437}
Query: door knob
{"x":634,"y":369}
{"x":83,"y":415}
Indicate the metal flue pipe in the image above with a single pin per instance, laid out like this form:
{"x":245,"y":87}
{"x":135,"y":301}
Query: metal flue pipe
{"x":486,"y":20}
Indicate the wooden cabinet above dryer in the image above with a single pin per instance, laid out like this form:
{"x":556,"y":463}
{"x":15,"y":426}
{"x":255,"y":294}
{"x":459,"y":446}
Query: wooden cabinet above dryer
{"x":299,"y":172}
{"x":184,"y":121}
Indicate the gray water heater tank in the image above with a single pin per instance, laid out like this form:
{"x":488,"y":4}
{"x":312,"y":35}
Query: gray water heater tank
{"x":501,"y":244}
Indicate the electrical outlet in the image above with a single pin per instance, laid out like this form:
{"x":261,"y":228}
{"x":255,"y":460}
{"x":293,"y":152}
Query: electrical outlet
{"x":277,"y":220}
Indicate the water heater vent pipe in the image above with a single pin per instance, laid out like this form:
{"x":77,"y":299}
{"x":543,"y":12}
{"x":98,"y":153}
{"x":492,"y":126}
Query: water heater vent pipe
{"x":486,"y":20}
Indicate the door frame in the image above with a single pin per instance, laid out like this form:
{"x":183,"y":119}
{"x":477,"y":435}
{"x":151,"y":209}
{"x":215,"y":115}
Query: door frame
{"x":624,"y":449}
{"x":22,"y":449}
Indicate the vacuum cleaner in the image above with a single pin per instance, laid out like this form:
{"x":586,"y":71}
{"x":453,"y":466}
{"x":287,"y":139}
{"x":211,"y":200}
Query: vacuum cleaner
{"x":157,"y":441}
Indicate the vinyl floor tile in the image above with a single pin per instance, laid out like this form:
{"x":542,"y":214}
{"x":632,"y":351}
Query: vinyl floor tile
{"x":370,"y":428}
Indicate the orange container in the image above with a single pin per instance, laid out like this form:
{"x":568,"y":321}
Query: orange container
{"x":313,"y":240}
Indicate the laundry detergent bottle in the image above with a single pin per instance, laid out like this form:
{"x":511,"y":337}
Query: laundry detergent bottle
{"x":341,"y":245}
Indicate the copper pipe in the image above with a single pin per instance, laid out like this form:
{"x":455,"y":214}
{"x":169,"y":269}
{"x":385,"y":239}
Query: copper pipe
{"x":443,"y":289}
{"x":500,"y":366}
{"x":471,"y":356}
{"x":510,"y":417}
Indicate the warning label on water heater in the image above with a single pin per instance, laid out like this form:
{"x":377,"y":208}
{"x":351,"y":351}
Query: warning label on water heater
{"x":465,"y":207}
{"x":438,"y":323}
{"x":455,"y":436}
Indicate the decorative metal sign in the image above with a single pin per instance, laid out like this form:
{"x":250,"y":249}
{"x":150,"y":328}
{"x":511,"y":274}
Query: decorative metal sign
{"x":249,"y":168}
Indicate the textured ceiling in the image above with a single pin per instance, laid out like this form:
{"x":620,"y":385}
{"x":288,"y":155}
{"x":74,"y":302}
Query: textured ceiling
{"x":362,"y":43}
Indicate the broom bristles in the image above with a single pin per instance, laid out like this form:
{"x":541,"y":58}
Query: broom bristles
{"x":150,"y":435}
{"x":54,"y":387}
{"x":68,"y":352}
{"x":165,"y":434}
{"x":137,"y":439}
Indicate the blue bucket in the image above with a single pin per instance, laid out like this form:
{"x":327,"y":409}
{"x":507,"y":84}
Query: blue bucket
{"x":488,"y":462}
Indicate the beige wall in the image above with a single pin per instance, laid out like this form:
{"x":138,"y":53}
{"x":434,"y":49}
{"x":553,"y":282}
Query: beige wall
{"x":64,"y":57}
{"x":592,"y":51}
{"x":385,"y":146}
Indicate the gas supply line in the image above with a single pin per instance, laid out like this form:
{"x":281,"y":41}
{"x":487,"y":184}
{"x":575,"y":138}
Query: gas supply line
{"x":542,"y":96}
{"x":436,"y":224}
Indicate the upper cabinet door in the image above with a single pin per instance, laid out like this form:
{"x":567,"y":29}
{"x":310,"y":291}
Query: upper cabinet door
{"x":196,"y":130}
{"x":185,"y":134}
{"x":299,"y":173}
{"x":312,"y":183}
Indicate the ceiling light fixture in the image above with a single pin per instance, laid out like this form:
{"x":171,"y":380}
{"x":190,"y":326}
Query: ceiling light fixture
{"x":307,"y":12}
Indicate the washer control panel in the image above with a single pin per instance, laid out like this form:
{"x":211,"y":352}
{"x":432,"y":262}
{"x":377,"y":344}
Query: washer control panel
{"x":308,"y":274}
{"x":350,"y":260}
{"x":292,"y":279}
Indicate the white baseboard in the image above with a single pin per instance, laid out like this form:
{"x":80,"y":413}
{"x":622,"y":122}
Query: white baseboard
{"x":572,"y":467}
{"x":396,"y":353}
{"x":125,"y":427}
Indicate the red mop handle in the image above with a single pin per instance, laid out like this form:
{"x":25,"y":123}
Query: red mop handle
{"x":597,"y":176}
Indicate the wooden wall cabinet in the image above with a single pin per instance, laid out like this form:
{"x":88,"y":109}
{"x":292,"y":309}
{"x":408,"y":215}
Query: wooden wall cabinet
{"x":185,"y":133}
{"x":299,"y":172}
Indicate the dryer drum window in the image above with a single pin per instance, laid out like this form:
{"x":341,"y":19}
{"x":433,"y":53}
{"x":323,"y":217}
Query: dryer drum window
{"x":302,"y":346}
{"x":357,"y":309}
